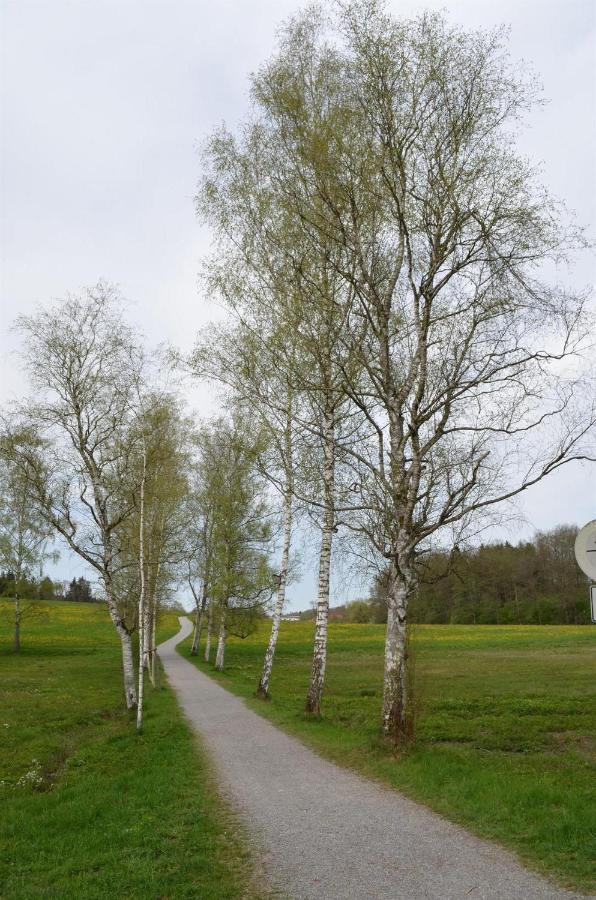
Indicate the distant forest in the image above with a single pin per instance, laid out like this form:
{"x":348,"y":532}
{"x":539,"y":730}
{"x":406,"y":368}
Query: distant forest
{"x":78,"y":590}
{"x":536,"y":582}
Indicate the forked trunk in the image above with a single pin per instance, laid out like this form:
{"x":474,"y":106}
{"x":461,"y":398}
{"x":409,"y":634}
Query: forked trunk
{"x":263,"y":688}
{"x":209,"y":631}
{"x":128,"y":668}
{"x":396,"y":701}
{"x":221,"y":644}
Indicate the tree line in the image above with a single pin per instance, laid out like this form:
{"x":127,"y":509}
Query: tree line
{"x":531,"y":583}
{"x":103,"y":457}
{"x":393,"y":367}
{"x":380,"y":247}
{"x":78,"y":590}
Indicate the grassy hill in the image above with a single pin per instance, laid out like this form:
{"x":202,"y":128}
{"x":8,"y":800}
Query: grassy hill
{"x":88,"y":808}
{"x":506,"y":726}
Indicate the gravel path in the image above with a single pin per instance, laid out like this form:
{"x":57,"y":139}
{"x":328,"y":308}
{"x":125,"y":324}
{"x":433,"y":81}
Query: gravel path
{"x":325,"y":832}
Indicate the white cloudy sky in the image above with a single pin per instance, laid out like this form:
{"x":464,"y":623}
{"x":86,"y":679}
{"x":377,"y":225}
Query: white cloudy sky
{"x":103,"y":105}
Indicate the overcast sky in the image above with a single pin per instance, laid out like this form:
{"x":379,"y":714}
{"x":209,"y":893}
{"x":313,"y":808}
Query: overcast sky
{"x":103,"y":105}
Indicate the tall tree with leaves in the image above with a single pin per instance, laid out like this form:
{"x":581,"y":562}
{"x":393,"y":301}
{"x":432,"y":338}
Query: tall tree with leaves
{"x":391,"y":141}
{"x":241,"y":579}
{"x":24,"y":536}
{"x":152,"y":537}
{"x":250,"y":365}
{"x":74,"y":443}
{"x":291,"y":305}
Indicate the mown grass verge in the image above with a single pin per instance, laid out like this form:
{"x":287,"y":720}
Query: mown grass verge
{"x":89,"y":809}
{"x":506,"y":726}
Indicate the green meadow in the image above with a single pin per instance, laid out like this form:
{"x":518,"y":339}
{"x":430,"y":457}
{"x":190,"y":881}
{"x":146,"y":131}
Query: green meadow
{"x":89,"y":809}
{"x":505,"y":726}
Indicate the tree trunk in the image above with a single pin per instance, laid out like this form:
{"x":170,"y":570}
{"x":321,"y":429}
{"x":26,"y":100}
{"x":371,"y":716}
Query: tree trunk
{"x":221,"y":644}
{"x":142,"y":605}
{"x":151,"y":615}
{"x":319,"y":660}
{"x":199,"y":618}
{"x":396,"y":701}
{"x":128,"y":668}
{"x":16,"y":641}
{"x":209,"y":632}
{"x":153,"y":652}
{"x":263,"y":688}
{"x":147,"y":643}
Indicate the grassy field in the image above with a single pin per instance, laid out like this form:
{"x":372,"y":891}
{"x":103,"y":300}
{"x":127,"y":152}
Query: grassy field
{"x":506,"y":726}
{"x":90,"y":810}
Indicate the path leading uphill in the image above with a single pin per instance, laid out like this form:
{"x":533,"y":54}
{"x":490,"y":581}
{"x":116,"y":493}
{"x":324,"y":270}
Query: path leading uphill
{"x":326,"y":833}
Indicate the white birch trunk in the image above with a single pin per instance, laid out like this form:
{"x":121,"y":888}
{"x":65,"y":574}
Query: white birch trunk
{"x":16,"y":641}
{"x":209,"y":632}
{"x":263,"y":688}
{"x":148,"y":626}
{"x":319,"y":661}
{"x":153,"y":653}
{"x":221,"y":643}
{"x":128,"y":667}
{"x":142,"y":610}
{"x":199,"y":619}
{"x":396,"y":706}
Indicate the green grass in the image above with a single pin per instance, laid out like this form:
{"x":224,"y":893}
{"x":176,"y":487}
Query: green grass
{"x":103,"y":813}
{"x":506,"y":726}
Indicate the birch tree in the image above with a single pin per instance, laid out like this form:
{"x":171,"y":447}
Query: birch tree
{"x":292,"y":307}
{"x":73,"y":443}
{"x":467,"y":355}
{"x":240,"y":580}
{"x":151,"y":539}
{"x":199,"y":551}
{"x":24,"y":536}
{"x":170,"y":439}
{"x":251,"y":368}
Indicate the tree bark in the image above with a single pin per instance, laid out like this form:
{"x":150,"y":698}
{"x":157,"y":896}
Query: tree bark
{"x":150,"y":623}
{"x":196,"y":639}
{"x":319,"y":661}
{"x":221,"y":644}
{"x":209,"y":632}
{"x":396,"y":716}
{"x":128,"y":668}
{"x":153,"y":652}
{"x":16,"y":641}
{"x":263,"y":688}
{"x":142,"y":605}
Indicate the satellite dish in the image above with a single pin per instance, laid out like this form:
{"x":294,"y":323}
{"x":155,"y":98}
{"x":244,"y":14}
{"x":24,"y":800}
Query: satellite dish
{"x":585,"y":549}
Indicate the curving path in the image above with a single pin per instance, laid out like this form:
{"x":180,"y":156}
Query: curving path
{"x":326,"y":833}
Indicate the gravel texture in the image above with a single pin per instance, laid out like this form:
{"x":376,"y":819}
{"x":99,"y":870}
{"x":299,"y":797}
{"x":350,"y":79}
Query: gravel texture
{"x":324,"y":832}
